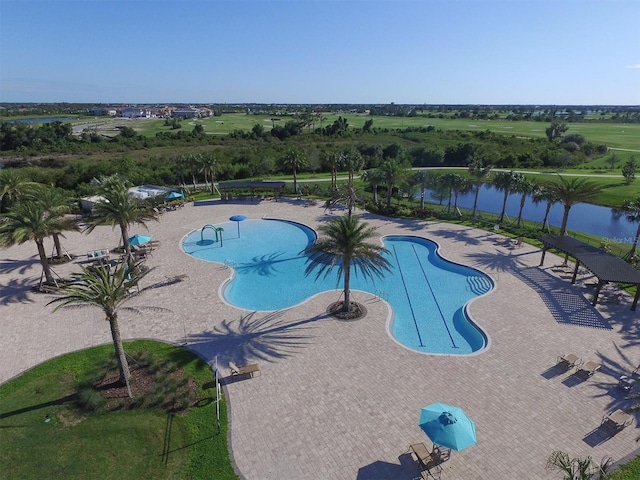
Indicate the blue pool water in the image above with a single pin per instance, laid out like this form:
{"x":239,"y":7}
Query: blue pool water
{"x":427,"y":293}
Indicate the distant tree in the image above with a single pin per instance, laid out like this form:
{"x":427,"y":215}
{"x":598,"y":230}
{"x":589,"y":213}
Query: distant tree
{"x":293,"y":160}
{"x":394,"y":173}
{"x":629,"y":171}
{"x":367,"y":125}
{"x":208,"y":166}
{"x":374,"y":178}
{"x":258,"y":130}
{"x":556,"y":130}
{"x":612,"y":160}
{"x":424,"y":179}
{"x":631,"y":210}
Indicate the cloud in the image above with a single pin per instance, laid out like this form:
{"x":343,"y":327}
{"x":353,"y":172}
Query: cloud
{"x":637,"y":65}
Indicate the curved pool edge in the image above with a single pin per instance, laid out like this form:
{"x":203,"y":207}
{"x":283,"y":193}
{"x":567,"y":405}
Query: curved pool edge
{"x":483,"y":333}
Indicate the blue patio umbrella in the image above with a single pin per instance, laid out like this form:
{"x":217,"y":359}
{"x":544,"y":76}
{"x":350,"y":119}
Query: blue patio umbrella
{"x":139,"y":239}
{"x":173,"y":195}
{"x":448,"y":426}
{"x":238,"y":219}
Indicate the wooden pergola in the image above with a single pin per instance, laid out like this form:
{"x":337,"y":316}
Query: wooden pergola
{"x":606,"y":267}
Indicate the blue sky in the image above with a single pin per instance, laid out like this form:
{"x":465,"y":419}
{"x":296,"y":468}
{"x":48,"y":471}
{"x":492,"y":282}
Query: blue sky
{"x":324,"y":51}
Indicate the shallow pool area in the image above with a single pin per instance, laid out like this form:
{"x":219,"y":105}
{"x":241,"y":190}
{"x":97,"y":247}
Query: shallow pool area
{"x":427,"y":293}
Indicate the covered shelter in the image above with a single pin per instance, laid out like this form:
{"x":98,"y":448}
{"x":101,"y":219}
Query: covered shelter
{"x":606,"y":267}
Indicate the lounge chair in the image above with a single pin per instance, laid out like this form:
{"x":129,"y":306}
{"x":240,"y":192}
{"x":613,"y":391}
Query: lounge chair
{"x":246,"y":370}
{"x":429,"y":462}
{"x":569,"y":360}
{"x":588,"y":368}
{"x":626,"y":383}
{"x":616,"y":421}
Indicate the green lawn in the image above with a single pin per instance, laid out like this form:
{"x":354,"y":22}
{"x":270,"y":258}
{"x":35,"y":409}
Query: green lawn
{"x":135,"y":444}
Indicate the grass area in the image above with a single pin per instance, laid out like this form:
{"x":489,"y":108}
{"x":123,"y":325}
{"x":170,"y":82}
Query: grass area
{"x":617,"y":135}
{"x":629,"y":471}
{"x":141,"y":443}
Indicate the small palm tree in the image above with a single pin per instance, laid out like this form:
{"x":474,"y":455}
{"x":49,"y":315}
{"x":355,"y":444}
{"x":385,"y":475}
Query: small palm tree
{"x":12,"y":187}
{"x":346,"y":244}
{"x":31,"y":221}
{"x":479,"y":175}
{"x":120,"y":208}
{"x":394,"y":174}
{"x":544,"y":194}
{"x":631,"y":210}
{"x":506,"y":182}
{"x":578,"y":468}
{"x":572,"y":191}
{"x":55,"y":201}
{"x":374,"y":178}
{"x":525,"y":188}
{"x":293,"y":160}
{"x":106,"y":288}
{"x":208,"y":166}
{"x":424,"y":179}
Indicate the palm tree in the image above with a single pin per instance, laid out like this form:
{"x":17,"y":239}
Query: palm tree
{"x":572,"y":191}
{"x":479,"y":174}
{"x":208,"y":165}
{"x":424,"y":179}
{"x":460,"y":185}
{"x":31,"y":221}
{"x":578,"y":468}
{"x":119,"y":208}
{"x":108,"y":289}
{"x":293,"y":160}
{"x":505,"y":182}
{"x":631,"y":210}
{"x":451,"y":182}
{"x":374,"y":178}
{"x":394,"y":174}
{"x":525,"y":188}
{"x":12,"y":187}
{"x":54,"y":201}
{"x":193,"y":162}
{"x":346,"y":244}
{"x":544,"y":194}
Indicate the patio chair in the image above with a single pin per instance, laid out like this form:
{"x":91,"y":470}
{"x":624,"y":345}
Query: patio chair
{"x":616,"y":421}
{"x":429,"y":464}
{"x":626,"y":383}
{"x":245,"y":370}
{"x":587,"y":369}
{"x":569,"y":360}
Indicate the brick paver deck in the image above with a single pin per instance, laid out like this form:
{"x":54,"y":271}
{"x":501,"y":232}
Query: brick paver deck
{"x":341,"y":400}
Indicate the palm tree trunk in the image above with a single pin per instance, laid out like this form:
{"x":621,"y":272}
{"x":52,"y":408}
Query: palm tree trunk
{"x":546,"y":215}
{"x":565,"y":218}
{"x":375,"y":194}
{"x":347,"y":290}
{"x":389,"y":194}
{"x":504,"y":206}
{"x":422,"y":199}
{"x":522,"y":201}
{"x":56,"y":242}
{"x":295,"y":182}
{"x":45,"y":263}
{"x":123,"y":365}
{"x":632,"y":252}
{"x":475,"y":202}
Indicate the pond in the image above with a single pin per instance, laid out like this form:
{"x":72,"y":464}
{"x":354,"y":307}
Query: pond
{"x":583,"y":217}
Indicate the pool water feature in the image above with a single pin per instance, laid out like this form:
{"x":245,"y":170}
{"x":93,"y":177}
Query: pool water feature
{"x":427,"y":293}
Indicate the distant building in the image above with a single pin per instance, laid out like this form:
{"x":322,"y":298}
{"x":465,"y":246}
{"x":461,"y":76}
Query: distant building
{"x":103,"y":111}
{"x":187,"y":112}
{"x":131,"y":112}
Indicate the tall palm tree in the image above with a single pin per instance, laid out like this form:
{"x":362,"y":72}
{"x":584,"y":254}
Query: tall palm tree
{"x":479,"y":175}
{"x":208,"y":166}
{"x":31,"y":221}
{"x":106,"y":288}
{"x":525,"y":188}
{"x":394,"y":174}
{"x":505,"y":182}
{"x":544,"y":194}
{"x":424,"y":179}
{"x":12,"y":187}
{"x":193,"y":162}
{"x":572,"y":191}
{"x":55,"y":201}
{"x":119,"y":208}
{"x":293,"y":160}
{"x":631,"y":210}
{"x":450,"y":182}
{"x":460,"y":185}
{"x":346,"y":244}
{"x":374,"y":178}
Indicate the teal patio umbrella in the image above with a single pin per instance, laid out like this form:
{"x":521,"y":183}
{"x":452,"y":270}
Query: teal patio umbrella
{"x":448,"y":426}
{"x":173,"y":196}
{"x":138,"y":240}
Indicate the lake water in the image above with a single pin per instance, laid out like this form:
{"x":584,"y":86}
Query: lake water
{"x":41,"y":120}
{"x":583,"y":217}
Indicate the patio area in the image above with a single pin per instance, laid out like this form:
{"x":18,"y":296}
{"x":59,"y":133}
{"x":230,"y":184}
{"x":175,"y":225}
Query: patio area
{"x":342,"y":400}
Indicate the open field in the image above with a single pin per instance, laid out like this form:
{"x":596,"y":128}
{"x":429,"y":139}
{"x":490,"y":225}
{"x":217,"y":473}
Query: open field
{"x":616,"y":135}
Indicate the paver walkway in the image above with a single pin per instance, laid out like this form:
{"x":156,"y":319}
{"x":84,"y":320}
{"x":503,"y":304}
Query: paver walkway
{"x":341,"y":400}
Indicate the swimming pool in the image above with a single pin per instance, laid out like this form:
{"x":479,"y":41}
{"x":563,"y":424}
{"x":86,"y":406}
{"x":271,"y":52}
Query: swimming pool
{"x":427,"y":293}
